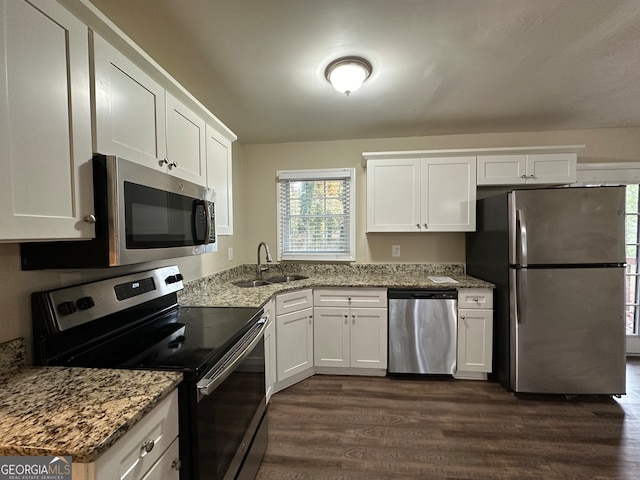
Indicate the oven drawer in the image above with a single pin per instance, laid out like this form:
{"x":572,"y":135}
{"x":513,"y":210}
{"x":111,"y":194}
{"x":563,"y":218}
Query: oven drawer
{"x":131,"y":457}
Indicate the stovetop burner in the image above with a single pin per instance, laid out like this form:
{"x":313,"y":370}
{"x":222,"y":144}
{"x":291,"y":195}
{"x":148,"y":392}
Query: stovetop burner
{"x":147,"y":330}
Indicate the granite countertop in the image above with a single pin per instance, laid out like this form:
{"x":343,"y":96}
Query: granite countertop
{"x":218,"y":290}
{"x":64,"y":411}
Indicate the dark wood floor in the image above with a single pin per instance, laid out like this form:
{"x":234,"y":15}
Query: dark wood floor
{"x":333,"y":427}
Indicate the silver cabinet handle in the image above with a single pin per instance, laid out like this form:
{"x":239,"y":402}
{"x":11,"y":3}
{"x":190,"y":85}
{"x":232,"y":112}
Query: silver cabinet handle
{"x":176,"y":464}
{"x":147,"y":446}
{"x":90,"y":218}
{"x":162,"y":162}
{"x":426,"y":226}
{"x":173,"y":165}
{"x":418,"y":225}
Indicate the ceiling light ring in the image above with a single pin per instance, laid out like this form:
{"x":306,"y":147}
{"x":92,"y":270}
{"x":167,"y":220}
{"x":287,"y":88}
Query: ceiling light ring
{"x":362,"y":72}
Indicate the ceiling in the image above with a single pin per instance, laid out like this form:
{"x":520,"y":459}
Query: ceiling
{"x":439,"y":66}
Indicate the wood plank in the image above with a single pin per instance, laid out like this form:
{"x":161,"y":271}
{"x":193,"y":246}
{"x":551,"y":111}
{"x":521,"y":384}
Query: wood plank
{"x":340,"y":427}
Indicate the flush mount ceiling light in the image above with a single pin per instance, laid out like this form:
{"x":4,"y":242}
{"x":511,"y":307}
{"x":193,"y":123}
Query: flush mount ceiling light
{"x":347,"y":74}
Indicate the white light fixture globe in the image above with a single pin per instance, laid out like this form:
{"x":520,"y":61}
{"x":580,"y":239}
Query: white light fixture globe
{"x":347,"y":74}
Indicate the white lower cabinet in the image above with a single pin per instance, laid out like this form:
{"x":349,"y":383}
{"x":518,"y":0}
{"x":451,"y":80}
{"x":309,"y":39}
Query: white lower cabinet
{"x":350,"y":329}
{"x":269,"y":349}
{"x":149,"y":451}
{"x":475,"y":333}
{"x":294,"y":337}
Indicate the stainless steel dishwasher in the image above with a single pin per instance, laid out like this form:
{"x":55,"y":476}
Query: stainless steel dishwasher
{"x":422,"y":331}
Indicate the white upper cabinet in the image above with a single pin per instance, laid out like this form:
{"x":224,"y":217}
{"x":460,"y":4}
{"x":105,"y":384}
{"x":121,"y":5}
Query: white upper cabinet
{"x":219,"y":179}
{"x":129,"y":108}
{"x":531,"y":169}
{"x":138,"y":120}
{"x":45,"y":123}
{"x":448,"y":196}
{"x":185,"y":142}
{"x":421,"y":194}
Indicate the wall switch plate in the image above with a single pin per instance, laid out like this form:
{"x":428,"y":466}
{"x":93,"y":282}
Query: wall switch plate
{"x":230,"y":253}
{"x":395,"y":250}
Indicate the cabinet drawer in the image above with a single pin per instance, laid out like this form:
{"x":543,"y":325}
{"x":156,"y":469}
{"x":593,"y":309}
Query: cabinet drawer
{"x":293,"y":301}
{"x":350,"y":297}
{"x":475,"y":298}
{"x":127,"y":459}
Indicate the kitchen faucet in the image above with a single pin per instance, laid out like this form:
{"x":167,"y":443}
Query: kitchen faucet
{"x":260,"y":268}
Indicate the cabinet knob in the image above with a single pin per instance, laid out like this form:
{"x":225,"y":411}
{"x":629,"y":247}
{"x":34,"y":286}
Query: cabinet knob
{"x":173,"y":165}
{"x":463,"y":317}
{"x":426,"y":226}
{"x":176,"y":464}
{"x":147,"y":446}
{"x":162,"y":162}
{"x":523,"y":176}
{"x":418,"y":225}
{"x":90,"y":218}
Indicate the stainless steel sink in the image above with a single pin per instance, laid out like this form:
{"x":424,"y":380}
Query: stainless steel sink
{"x":286,"y":278}
{"x":251,"y":283}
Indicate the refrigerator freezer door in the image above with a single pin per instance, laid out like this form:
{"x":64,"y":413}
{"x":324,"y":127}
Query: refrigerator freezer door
{"x":565,"y":226}
{"x":568,"y":333}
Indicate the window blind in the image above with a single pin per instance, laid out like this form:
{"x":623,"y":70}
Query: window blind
{"x":315,"y":215}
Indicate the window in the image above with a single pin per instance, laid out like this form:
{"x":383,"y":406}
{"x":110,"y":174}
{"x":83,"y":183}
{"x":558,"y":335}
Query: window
{"x":316,"y":210}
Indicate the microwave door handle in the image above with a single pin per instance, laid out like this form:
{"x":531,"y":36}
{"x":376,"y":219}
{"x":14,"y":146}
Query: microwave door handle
{"x":207,"y":212}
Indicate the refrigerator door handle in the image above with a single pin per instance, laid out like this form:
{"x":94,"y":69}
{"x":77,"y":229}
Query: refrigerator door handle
{"x":521,"y":295}
{"x":522,"y":240}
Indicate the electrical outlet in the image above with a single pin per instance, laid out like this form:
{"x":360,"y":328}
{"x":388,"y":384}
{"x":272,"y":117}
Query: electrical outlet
{"x":230,"y":253}
{"x":395,"y":250}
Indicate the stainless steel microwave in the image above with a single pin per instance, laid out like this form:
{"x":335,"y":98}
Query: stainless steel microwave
{"x":141,"y":215}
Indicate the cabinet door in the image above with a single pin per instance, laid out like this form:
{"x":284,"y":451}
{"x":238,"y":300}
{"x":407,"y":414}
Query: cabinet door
{"x":294,"y":343}
{"x":448,"y":199}
{"x":130,"y":108}
{"x":270,"y":348}
{"x":368,"y":345}
{"x":549,"y":168}
{"x":168,"y":466}
{"x":393,"y":195}
{"x":331,"y":337}
{"x":219,"y":179}
{"x":475,"y":340}
{"x":45,"y":123}
{"x":502,"y":169}
{"x":185,"y":142}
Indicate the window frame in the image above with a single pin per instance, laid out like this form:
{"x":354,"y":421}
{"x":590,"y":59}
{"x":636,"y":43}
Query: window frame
{"x":315,"y":175}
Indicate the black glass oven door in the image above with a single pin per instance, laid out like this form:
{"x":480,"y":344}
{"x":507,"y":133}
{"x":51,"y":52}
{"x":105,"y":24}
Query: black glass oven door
{"x":229,"y":416}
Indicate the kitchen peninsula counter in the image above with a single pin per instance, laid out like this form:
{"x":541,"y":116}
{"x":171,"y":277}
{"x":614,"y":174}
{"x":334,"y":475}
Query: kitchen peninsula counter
{"x":77,"y":412}
{"x":219,"y":290}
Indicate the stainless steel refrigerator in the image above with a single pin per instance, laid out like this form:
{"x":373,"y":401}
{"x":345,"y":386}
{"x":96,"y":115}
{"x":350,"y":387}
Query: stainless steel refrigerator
{"x":557,"y":258}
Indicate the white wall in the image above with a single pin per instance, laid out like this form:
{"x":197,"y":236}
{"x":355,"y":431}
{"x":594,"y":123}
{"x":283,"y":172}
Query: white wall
{"x":254,"y":169}
{"x":262,"y":162}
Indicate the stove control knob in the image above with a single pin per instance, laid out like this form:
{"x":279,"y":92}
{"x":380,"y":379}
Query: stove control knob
{"x":85,"y":303}
{"x":66,"y":308}
{"x":173,"y":279}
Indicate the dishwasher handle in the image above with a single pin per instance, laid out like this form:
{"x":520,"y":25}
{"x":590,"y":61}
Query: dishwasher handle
{"x":423,"y":294}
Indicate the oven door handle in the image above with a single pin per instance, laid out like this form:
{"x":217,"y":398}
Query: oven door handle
{"x":219,"y":374}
